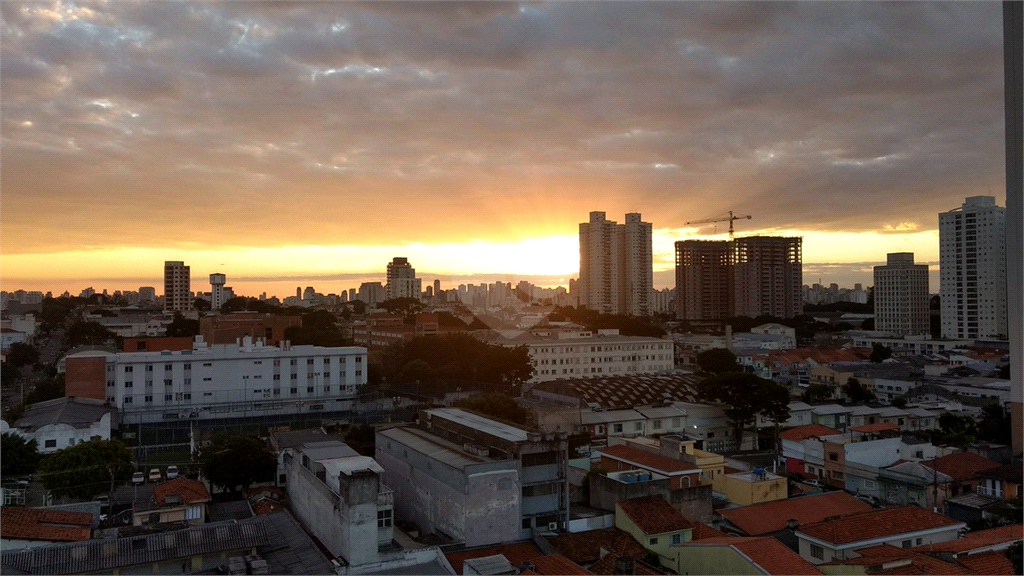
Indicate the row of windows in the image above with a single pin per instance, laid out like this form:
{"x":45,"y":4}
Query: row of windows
{"x":188,"y":365}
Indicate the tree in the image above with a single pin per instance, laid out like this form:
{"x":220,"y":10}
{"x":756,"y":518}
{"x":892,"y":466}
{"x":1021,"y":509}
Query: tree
{"x":899,"y":402}
{"x":745,"y":396}
{"x":362,"y":439}
{"x":817,"y":393}
{"x":88,"y":469}
{"x":498,"y":405}
{"x":404,"y":306}
{"x":1016,"y":555}
{"x":22,"y":354}
{"x":717,"y":361}
{"x":868,"y":324}
{"x":201,"y":304}
{"x":235,"y":461}
{"x":880,"y":353}
{"x":182,"y":327}
{"x":857,"y":393}
{"x":89,"y":333}
{"x":995,"y":425}
{"x":18,"y":456}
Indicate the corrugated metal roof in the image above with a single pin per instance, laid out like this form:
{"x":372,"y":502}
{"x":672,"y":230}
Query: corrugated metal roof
{"x":326,"y":450}
{"x":481,"y":423}
{"x":432,"y":446}
{"x":351,"y":464}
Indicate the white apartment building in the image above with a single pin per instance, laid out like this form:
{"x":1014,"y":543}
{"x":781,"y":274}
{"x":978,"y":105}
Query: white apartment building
{"x":972,"y":269}
{"x":901,"y":296}
{"x":616,"y":265}
{"x":581,"y":353}
{"x":220,"y":381}
{"x":177,"y":287}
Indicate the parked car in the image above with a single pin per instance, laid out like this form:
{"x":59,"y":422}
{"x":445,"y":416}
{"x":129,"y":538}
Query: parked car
{"x":155,"y":475}
{"x":138,"y":478}
{"x":172,"y":472}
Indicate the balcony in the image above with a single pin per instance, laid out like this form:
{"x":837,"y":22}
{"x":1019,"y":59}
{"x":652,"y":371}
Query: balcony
{"x":385,"y":497}
{"x":992,"y":492}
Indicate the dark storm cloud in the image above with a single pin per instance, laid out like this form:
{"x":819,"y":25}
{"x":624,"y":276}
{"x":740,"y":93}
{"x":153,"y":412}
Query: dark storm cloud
{"x":343,"y":121}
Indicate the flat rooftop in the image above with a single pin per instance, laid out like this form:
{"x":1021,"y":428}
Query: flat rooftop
{"x":481,"y":423}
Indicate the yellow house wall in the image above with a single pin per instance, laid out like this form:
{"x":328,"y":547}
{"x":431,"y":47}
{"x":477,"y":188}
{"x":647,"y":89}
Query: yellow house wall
{"x":712,"y":560}
{"x":747,"y":493}
{"x":664,"y":548}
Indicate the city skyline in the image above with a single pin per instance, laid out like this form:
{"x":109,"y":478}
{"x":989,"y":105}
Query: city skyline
{"x":258,"y":140}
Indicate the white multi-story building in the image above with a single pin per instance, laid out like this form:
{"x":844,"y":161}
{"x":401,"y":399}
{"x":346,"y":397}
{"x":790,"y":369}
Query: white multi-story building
{"x":972,"y":269}
{"x":616,"y":265}
{"x":177,"y":287}
{"x":901,"y":296}
{"x":220,"y":381}
{"x":581,"y":353}
{"x":401,"y":280}
{"x":218,"y":292}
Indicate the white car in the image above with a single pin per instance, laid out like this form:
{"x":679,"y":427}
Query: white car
{"x":172,"y":472}
{"x":155,"y":475}
{"x":138,"y":478}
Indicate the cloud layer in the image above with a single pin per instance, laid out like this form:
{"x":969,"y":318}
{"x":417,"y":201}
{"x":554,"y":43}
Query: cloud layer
{"x":186,"y":124}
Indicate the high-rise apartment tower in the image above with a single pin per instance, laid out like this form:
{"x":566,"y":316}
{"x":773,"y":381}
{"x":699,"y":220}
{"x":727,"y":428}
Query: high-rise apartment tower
{"x":768,"y":276}
{"x":402,"y":281}
{"x":177,"y":287}
{"x":972,"y":270}
{"x":901,"y":296}
{"x":616,"y":265}
{"x":704,"y":280}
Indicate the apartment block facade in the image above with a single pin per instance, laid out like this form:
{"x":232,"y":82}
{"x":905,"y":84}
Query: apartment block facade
{"x":704,"y":280}
{"x":901,"y":296}
{"x":401,"y":280}
{"x":616,"y":265}
{"x":220,"y":381}
{"x":177,"y":287}
{"x":972,"y":270}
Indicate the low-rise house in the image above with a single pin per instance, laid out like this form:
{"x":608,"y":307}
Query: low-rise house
{"x":1001,"y":481}
{"x":602,"y":551}
{"x":831,"y":415}
{"x":911,"y":483}
{"x":63,"y":422}
{"x":654,"y":523}
{"x":178,"y":500}
{"x":680,"y":474}
{"x":603,"y":424}
{"x":663,"y":419}
{"x":902,"y":526}
{"x":964,"y":468}
{"x":751,"y":487}
{"x":794,"y":442}
{"x":743,"y":555}
{"x":799,"y":414}
{"x":10,"y":336}
{"x":885,"y":559}
{"x":861,"y":415}
{"x":22,"y":528}
{"x":283,"y":439}
{"x":978,"y":542}
{"x":675,"y":446}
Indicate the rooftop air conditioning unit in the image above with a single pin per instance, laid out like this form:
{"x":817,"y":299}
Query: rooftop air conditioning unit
{"x":552,"y":526}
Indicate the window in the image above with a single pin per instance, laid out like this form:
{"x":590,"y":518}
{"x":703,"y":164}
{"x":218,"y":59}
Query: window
{"x":657,"y":424}
{"x":168,"y":397}
{"x":294,"y":362}
{"x":383,"y":518}
{"x":309,"y":389}
{"x":817,"y":552}
{"x":918,"y":542}
{"x":639,"y":426}
{"x":127,"y":399}
{"x":869,"y":484}
{"x":51,"y":443}
{"x":359,"y":372}
{"x":616,"y":427}
{"x":127,"y":369}
{"x":294,"y":390}
{"x":677,"y":539}
{"x":906,"y":543}
{"x":128,"y":385}
{"x":309,"y":361}
{"x":653,"y":541}
{"x":188,"y":366}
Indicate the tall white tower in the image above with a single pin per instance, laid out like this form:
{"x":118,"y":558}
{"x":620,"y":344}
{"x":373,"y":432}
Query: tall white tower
{"x":901,"y":295}
{"x":218,"y":295}
{"x":972,"y":270}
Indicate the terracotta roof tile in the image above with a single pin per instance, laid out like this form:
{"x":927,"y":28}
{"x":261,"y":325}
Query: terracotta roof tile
{"x":976,"y":540}
{"x":760,"y":519}
{"x":876,"y":427}
{"x":39,"y":524}
{"x":647,"y":460}
{"x":900,"y":562}
{"x":962,"y":465}
{"x":882,"y":522}
{"x":606,"y":567}
{"x":807,"y":431}
{"x":654,"y":515}
{"x":1008,"y":473}
{"x":516,"y":553}
{"x":994,"y":562}
{"x":267,"y":506}
{"x":554,"y":564}
{"x":702,"y":531}
{"x":585,"y":547}
{"x":188,"y":491}
{"x":768,"y":553}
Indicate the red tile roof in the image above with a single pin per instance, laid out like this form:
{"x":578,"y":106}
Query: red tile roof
{"x":554,"y":564}
{"x":768,"y":553}
{"x":516,"y":554}
{"x":988,"y":563}
{"x":265,"y":506}
{"x":647,"y":460}
{"x":760,"y":519}
{"x":702,"y":531}
{"x":654,"y":515}
{"x":876,"y":427}
{"x":606,"y":567}
{"x":962,"y":465}
{"x":188,"y":491}
{"x":977,"y":540}
{"x":39,"y":524}
{"x":899,"y":561}
{"x":880,"y":523}
{"x":807,"y":431}
{"x":585,"y":547}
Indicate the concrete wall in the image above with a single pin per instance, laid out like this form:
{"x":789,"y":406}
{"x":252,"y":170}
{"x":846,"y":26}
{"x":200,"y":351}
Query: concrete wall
{"x":605,"y":492}
{"x":479,"y":505}
{"x":65,"y":435}
{"x":693,"y":503}
{"x":713,"y":560}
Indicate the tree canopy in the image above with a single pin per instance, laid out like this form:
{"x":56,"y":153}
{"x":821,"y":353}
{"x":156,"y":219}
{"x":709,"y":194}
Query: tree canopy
{"x":457,"y":356}
{"x":88,"y":469}
{"x":995,"y":425}
{"x":18,"y":456}
{"x":235,"y":461}
{"x":89,"y":333}
{"x":746,"y":396}
{"x":22,"y":354}
{"x":817,"y":393}
{"x":182,"y":327}
{"x":593,"y":320}
{"x":717,"y":361}
{"x":857,"y":393}
{"x":880,"y":353}
{"x":498,"y":405}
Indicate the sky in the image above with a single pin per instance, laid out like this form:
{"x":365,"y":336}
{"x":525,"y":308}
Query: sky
{"x":293,"y":143}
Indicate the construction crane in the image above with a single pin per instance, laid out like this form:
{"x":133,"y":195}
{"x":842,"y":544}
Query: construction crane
{"x":730,"y":217}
